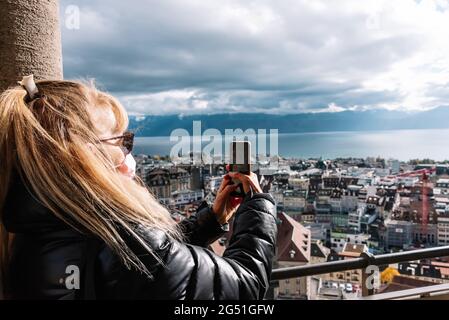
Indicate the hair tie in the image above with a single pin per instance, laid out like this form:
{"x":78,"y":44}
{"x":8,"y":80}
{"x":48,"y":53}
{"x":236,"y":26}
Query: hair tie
{"x":30,"y":86}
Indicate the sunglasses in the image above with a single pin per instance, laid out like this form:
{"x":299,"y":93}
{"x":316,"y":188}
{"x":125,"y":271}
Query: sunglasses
{"x":126,"y":141}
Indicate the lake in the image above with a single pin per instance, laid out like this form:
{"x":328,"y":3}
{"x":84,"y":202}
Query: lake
{"x":398,"y":144}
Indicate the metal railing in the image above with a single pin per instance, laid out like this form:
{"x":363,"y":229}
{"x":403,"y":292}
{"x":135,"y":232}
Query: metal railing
{"x":435,"y":292}
{"x":361,"y":262}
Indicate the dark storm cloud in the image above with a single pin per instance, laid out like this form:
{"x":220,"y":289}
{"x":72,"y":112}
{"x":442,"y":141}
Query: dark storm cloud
{"x":190,"y":56}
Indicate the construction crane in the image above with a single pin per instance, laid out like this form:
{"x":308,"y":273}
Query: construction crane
{"x":425,"y":201}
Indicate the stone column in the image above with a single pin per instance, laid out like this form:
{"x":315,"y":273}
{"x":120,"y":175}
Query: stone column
{"x":30,"y":40}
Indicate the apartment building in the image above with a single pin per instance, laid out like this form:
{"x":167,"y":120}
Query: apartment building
{"x":294,"y":249}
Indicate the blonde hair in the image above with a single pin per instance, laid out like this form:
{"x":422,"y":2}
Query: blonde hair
{"x":56,"y":149}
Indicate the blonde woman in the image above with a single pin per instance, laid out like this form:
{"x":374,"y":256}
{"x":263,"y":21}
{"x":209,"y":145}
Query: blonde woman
{"x":70,"y":206}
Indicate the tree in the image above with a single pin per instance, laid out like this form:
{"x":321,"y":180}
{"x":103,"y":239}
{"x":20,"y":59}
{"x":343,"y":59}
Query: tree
{"x":30,"y":40}
{"x":388,"y":274}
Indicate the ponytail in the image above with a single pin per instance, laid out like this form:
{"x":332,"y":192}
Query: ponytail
{"x":12,"y":106}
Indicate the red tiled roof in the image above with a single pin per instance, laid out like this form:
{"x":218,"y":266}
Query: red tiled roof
{"x":440,"y":264}
{"x":293,"y":237}
{"x":353,"y":250}
{"x":349,"y":254}
{"x":443,"y":267}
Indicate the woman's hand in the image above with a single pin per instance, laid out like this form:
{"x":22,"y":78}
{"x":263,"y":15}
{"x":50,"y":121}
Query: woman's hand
{"x":223,"y":206}
{"x":249,"y":182}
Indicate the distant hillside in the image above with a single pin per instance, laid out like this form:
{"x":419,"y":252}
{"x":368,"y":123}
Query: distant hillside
{"x":307,"y":122}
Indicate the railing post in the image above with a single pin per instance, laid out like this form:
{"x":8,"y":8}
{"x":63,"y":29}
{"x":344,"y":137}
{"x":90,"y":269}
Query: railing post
{"x":367,"y":289}
{"x":369,"y":274}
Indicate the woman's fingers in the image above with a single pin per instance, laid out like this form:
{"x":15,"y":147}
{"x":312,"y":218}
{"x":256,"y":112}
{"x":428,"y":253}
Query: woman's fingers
{"x":229,"y":189}
{"x":248,"y":181}
{"x":255,"y":184}
{"x":243,"y":179}
{"x":224,"y":193}
{"x":224,"y":206}
{"x":224,"y":183}
{"x":252,"y":179}
{"x":222,"y":201}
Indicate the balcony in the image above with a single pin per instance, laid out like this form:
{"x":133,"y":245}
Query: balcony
{"x":434,"y":292}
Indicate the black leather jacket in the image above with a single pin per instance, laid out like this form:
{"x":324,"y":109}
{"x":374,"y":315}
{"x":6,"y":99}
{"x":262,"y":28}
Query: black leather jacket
{"x":44,"y":248}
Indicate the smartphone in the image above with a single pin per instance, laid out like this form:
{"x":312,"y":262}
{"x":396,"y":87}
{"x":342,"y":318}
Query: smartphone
{"x":240,"y":161}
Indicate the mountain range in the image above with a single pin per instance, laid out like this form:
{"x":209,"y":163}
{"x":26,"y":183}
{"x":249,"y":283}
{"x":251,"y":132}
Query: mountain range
{"x":374,"y":120}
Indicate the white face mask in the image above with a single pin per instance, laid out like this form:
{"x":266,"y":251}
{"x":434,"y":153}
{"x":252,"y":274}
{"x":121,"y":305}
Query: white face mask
{"x":128,"y":167}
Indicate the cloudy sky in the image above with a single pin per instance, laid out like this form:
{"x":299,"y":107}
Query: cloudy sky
{"x":283,"y":56}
